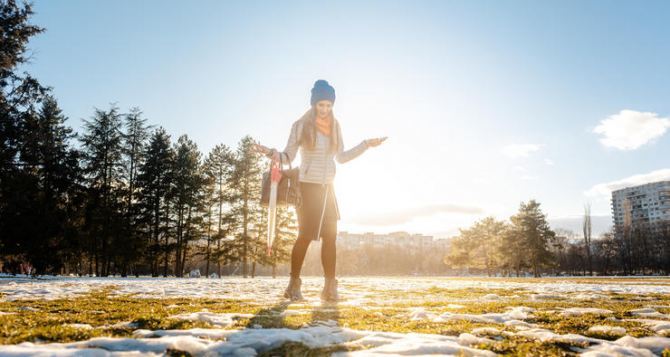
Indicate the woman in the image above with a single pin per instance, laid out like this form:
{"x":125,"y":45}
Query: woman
{"x":318,"y":136}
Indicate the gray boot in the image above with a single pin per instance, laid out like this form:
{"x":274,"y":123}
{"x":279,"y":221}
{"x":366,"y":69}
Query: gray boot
{"x":329,"y":292}
{"x":292,"y":292}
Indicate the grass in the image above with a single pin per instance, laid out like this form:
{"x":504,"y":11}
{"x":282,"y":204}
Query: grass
{"x":49,"y":320}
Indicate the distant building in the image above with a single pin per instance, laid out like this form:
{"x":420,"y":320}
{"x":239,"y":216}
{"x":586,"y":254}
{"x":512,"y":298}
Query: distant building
{"x":411,"y":242}
{"x":647,"y":204}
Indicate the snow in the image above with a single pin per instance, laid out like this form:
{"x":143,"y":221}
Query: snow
{"x":356,"y":290}
{"x":80,"y":326}
{"x":545,"y":335}
{"x":216,"y":319}
{"x":250,"y":342}
{"x":455,"y":306}
{"x":366,"y":293}
{"x":648,"y":312}
{"x":604,"y":329}
{"x":630,"y":346}
{"x":577,"y":311}
{"x":486,"y":331}
{"x":659,"y":326}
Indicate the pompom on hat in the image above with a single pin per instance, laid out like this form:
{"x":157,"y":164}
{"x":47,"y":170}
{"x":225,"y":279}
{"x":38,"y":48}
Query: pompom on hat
{"x":322,"y":91}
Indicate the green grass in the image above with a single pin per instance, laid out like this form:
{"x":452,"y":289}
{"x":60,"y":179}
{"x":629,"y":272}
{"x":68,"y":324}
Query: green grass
{"x":100,"y":309}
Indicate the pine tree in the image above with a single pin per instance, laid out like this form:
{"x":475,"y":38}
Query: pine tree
{"x":19,"y":93}
{"x":102,"y":148}
{"x":246,"y":187}
{"x":54,"y":173}
{"x":531,"y":228}
{"x":154,"y":184}
{"x":188,"y":182}
{"x":218,"y":168}
{"x":134,"y":142}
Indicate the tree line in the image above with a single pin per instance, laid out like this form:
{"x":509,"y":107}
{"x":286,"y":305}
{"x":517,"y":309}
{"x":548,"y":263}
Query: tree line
{"x":526,"y":245}
{"x":122,"y":197}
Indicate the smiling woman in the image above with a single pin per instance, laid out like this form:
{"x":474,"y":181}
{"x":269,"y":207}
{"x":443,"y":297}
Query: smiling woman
{"x":318,"y":136}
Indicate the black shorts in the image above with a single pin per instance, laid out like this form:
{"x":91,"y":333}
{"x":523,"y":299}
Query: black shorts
{"x":311,"y":207}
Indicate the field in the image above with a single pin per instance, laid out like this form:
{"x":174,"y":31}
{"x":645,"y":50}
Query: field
{"x":377,"y":316}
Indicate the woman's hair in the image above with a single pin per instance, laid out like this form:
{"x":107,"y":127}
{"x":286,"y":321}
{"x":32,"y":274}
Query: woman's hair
{"x":308,"y":135}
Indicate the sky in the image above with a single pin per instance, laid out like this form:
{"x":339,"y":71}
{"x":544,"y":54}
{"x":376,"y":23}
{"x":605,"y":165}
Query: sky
{"x":486,"y":104}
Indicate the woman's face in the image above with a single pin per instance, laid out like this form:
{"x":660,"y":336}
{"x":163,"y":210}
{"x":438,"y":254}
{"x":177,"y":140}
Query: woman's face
{"x":324,"y":108}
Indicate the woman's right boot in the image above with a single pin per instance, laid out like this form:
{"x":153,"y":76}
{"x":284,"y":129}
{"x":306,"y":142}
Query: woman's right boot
{"x":293,"y":290}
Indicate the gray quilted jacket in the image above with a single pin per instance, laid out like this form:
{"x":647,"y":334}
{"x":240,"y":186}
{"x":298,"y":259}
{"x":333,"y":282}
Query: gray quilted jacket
{"x":318,"y":165}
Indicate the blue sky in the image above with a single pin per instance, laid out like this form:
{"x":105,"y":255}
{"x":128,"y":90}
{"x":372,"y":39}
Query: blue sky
{"x":486,"y":103}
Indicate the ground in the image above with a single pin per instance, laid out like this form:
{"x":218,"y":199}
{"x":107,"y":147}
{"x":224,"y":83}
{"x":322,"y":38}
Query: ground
{"x":377,"y":316}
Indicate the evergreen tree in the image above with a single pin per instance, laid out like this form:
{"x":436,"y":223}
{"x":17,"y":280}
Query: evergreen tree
{"x":154,"y":184}
{"x":246,"y":187}
{"x":530,"y":227}
{"x":102,"y":148}
{"x":50,"y":168}
{"x":134,"y":142}
{"x":19,"y":93}
{"x":218,"y":168}
{"x":188,"y":182}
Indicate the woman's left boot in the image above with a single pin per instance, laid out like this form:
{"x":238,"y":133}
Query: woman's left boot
{"x":292,"y":292}
{"x":329,"y":292}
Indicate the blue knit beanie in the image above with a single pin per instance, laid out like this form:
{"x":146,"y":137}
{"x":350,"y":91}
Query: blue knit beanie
{"x":322,"y":91}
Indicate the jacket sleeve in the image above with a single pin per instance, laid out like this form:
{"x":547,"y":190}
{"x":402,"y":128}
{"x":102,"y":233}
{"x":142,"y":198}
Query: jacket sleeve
{"x":293,"y":143}
{"x":344,"y":156}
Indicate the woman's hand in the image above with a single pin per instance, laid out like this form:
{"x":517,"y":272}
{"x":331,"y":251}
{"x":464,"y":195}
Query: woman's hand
{"x":375,"y":141}
{"x":264,"y":150}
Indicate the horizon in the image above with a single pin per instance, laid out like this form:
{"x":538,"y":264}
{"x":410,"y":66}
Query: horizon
{"x":524,"y":105}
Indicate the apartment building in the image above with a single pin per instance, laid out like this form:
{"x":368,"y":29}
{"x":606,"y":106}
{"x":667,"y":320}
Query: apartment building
{"x":643,"y":204}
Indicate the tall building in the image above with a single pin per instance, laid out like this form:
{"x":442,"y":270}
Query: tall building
{"x":643,"y":204}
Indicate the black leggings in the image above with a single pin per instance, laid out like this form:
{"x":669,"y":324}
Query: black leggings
{"x":309,"y":215}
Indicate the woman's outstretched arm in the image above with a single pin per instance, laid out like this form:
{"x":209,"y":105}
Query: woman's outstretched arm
{"x":343,"y":156}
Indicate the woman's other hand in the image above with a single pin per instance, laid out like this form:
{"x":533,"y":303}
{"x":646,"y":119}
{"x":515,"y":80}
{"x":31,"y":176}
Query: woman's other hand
{"x":375,"y":141}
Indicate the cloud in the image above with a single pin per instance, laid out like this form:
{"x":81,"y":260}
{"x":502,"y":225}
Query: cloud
{"x":520,"y":150}
{"x":605,"y":189}
{"x":630,"y":129}
{"x":407,"y":215}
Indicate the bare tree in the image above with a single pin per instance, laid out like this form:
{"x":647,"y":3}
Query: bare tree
{"x":587,"y":235}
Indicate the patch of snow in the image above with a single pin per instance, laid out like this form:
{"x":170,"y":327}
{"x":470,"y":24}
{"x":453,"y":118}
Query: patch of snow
{"x":491,"y":297}
{"x":612,"y":330}
{"x":222,"y":319}
{"x":397,"y":344}
{"x":250,"y":342}
{"x":466,"y":339}
{"x":659,"y":326}
{"x":515,"y":313}
{"x":80,"y":326}
{"x":486,"y":331}
{"x":578,"y":311}
{"x":631,"y":346}
{"x":647,"y":312}
{"x":545,"y":335}
{"x":354,"y":290}
{"x":519,"y":325}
